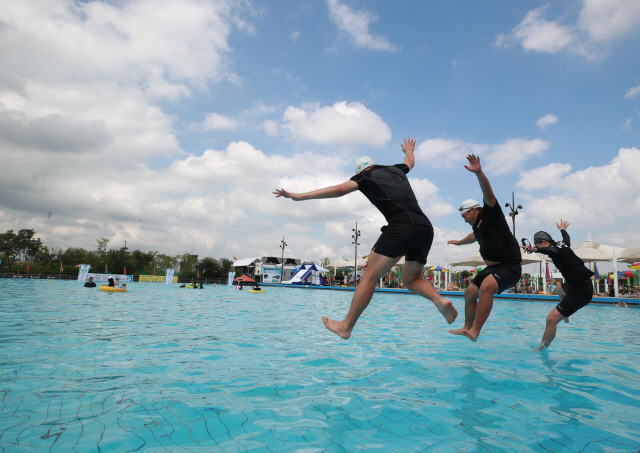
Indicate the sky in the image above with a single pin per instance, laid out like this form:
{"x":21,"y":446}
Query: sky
{"x":168,"y":124}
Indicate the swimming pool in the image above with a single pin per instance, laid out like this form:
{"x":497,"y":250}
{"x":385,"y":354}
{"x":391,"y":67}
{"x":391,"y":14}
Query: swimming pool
{"x":174,"y":369}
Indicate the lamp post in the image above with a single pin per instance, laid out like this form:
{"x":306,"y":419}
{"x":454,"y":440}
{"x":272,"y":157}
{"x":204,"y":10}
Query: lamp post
{"x":282,"y":246}
{"x":514,"y":212}
{"x":355,"y":236}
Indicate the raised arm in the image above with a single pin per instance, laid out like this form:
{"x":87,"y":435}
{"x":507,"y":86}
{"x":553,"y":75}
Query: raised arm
{"x":408,"y":148}
{"x":327,"y":192}
{"x":487,"y":192}
{"x":470,"y":239}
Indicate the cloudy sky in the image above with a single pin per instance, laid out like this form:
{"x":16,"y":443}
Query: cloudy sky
{"x":169,"y":123}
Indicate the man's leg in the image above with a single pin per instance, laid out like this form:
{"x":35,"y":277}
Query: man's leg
{"x":470,"y":306}
{"x":553,"y":318}
{"x":488,"y":288}
{"x":413,"y":282}
{"x":377,"y":266}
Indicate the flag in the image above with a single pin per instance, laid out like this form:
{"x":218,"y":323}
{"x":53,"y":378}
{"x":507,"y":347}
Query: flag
{"x":198,"y":274}
{"x":596,"y":275}
{"x":61,"y":267}
{"x":28,"y":268}
{"x":235,"y":259}
{"x":106,"y":271}
{"x":125,"y":270}
{"x":154,"y":271}
{"x":548,"y":274}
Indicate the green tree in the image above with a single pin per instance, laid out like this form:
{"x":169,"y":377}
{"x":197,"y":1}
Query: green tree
{"x":226,"y":265}
{"x":325,"y":262}
{"x":13,"y":244}
{"x":141,"y":261}
{"x":72,"y":257}
{"x":210,"y":267}
{"x":117,"y":259}
{"x":102,"y":247}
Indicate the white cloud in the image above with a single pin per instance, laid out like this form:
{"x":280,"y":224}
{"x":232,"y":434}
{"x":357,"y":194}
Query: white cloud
{"x":536,"y":33}
{"x":270,"y":127}
{"x":295,"y":35}
{"x":596,"y":197}
{"x":548,"y":176}
{"x":341,"y":124}
{"x":356,"y":25}
{"x":216,"y":121}
{"x":498,"y":158}
{"x":632,"y":92}
{"x":626,"y":126}
{"x":605,"y":20}
{"x":599,"y":23}
{"x":546,"y":120}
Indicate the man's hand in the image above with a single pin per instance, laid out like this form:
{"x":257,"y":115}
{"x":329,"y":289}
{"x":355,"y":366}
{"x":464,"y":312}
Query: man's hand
{"x":563,"y":224}
{"x":474,"y":164}
{"x":409,"y":145}
{"x":285,"y":194}
{"x":529,"y":248}
{"x":454,"y":242}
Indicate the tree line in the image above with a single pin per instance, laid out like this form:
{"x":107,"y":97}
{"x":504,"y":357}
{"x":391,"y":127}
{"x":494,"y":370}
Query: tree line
{"x":16,"y":246}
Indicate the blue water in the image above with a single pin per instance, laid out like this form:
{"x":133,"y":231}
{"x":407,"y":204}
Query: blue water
{"x":169,"y":369}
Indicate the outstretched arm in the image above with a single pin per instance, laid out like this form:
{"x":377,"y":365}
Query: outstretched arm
{"x":487,"y":192}
{"x":408,"y":148}
{"x":468,"y":240}
{"x":327,"y":192}
{"x":562,"y":226}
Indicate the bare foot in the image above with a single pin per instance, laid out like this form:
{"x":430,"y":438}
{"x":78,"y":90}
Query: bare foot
{"x":336,"y":327}
{"x":470,"y":335}
{"x":448,"y":311}
{"x":459,"y":331}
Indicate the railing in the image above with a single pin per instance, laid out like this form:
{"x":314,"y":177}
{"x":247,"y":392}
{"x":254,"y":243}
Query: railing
{"x":48,"y":276}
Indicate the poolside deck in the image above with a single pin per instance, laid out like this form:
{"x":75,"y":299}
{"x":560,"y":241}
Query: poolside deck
{"x":631,"y":302}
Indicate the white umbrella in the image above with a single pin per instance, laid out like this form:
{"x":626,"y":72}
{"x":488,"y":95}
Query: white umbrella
{"x":473,"y":260}
{"x":589,"y":252}
{"x":630,"y":255}
{"x":340,"y":263}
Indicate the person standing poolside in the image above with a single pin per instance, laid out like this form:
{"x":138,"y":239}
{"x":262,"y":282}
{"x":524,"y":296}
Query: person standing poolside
{"x":576,"y":291}
{"x":499,"y":249}
{"x":409,"y":233}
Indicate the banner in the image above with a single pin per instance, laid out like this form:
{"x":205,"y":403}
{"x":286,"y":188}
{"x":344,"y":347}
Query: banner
{"x":155,"y":279}
{"x":105,"y":277}
{"x":270,"y":274}
{"x":169,"y":278}
{"x":231,"y":275}
{"x":84,"y":271}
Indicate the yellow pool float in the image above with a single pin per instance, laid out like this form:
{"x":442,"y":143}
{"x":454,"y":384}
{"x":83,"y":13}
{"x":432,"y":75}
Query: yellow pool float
{"x":254,"y":291}
{"x":113,"y":289}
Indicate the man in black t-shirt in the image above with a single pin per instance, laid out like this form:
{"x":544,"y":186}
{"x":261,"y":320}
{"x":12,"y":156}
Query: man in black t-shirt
{"x":576,"y":291}
{"x":90,"y":283}
{"x":408,"y":234}
{"x":499,"y":250}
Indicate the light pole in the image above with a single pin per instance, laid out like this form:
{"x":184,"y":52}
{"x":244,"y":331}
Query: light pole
{"x":355,"y":236}
{"x":282,"y":246}
{"x":514,"y":212}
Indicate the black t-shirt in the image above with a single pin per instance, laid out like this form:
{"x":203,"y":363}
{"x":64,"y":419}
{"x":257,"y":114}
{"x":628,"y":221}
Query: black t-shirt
{"x":388,"y":188}
{"x":494,"y":236}
{"x":90,"y":285}
{"x":565,"y":259}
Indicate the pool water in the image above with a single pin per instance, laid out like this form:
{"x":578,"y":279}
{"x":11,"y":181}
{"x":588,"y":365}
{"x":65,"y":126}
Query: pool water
{"x":173,"y":369}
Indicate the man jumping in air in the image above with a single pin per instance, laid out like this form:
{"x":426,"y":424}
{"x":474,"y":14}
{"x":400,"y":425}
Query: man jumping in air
{"x":409,"y":233}
{"x":499,"y":249}
{"x":576,"y":291}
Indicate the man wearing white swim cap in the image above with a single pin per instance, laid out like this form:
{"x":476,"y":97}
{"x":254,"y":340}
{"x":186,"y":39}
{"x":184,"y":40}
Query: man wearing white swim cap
{"x":409,"y":233}
{"x":499,"y":249}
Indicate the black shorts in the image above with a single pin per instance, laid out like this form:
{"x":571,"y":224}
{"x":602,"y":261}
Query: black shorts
{"x":578,"y":295}
{"x":506,"y":274}
{"x":409,"y":240}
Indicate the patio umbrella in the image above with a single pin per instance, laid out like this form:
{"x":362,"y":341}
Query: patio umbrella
{"x":473,"y":260}
{"x":530,"y":258}
{"x":630,"y":255}
{"x":635,"y":266}
{"x":589,"y":252}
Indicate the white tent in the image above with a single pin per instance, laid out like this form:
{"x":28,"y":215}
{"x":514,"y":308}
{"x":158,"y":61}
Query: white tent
{"x":630,"y":255}
{"x":473,"y":260}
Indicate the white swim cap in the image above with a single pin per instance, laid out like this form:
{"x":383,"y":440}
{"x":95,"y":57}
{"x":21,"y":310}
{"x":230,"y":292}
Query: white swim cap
{"x":467,"y":205}
{"x":363,"y":162}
